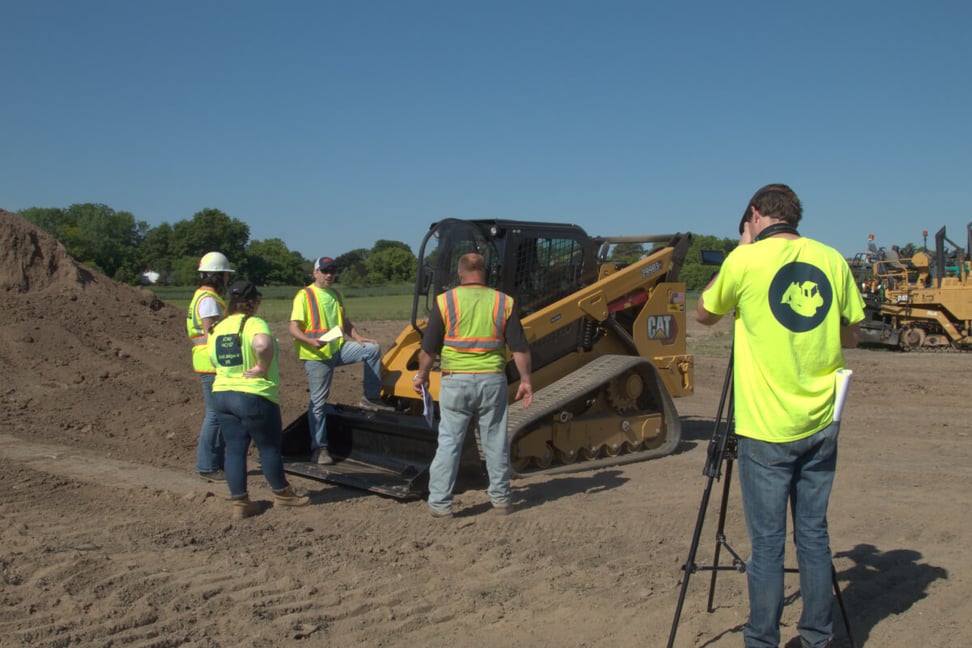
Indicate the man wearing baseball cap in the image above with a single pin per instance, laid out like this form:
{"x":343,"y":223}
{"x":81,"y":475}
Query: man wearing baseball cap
{"x":326,"y":338}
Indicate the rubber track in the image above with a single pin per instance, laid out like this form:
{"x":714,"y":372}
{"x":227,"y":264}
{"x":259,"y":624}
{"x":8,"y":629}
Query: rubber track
{"x":553,"y":398}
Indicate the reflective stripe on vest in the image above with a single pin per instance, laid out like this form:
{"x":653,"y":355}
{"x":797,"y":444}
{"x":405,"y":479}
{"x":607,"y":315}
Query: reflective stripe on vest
{"x":315,"y":312}
{"x":478,"y":338}
{"x":197,"y":336}
{"x":193,"y":323}
{"x":317,"y":322}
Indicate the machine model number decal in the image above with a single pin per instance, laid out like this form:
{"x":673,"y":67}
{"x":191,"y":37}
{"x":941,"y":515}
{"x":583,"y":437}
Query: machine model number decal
{"x":652,"y":269}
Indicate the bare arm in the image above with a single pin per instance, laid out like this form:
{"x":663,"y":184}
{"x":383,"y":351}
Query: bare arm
{"x":850,"y":335}
{"x":524,"y":365}
{"x":352,"y":332}
{"x":702,"y":316}
{"x":207,"y":324}
{"x":263,"y":348}
{"x":421,"y":379}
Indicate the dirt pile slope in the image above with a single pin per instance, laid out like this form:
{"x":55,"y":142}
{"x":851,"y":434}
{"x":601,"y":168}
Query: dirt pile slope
{"x":86,"y":361}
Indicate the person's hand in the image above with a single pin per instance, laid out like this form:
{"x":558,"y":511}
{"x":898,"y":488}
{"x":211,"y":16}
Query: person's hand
{"x":255,"y":371}
{"x":747,"y":234}
{"x":420,"y":382}
{"x":524,"y":391}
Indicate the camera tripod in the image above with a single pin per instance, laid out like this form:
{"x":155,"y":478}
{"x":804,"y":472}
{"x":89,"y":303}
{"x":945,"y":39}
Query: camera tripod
{"x":722,"y":448}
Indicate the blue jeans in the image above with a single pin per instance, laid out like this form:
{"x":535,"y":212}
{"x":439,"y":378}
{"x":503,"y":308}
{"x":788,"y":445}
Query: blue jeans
{"x":772,"y":476}
{"x":463,"y":398}
{"x":211,"y":448}
{"x":243,"y":417}
{"x":319,"y":373}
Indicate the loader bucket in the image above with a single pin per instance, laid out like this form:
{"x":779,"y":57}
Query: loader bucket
{"x":382,"y":452}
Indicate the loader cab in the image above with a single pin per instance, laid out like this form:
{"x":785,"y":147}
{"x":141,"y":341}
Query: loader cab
{"x":536,"y":263}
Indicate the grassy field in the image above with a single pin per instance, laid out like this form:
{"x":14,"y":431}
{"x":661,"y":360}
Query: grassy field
{"x":361,"y":304}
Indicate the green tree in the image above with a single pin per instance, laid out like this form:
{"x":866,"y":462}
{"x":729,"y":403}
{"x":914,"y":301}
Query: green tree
{"x":106,"y":238}
{"x":353,"y":266}
{"x":626,"y":252}
{"x":270,"y":262}
{"x":156,"y":248}
{"x":391,"y":265}
{"x":694,"y":274}
{"x":210,"y":230}
{"x":50,"y":219}
{"x":96,"y":235}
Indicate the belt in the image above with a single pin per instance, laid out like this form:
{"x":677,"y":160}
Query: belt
{"x":457,"y":373}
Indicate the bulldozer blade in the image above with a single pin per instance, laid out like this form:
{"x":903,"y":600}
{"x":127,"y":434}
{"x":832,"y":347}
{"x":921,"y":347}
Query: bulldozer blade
{"x":383,"y":452}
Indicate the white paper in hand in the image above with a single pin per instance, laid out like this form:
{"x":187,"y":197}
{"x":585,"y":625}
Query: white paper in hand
{"x":428,"y":407}
{"x":332,"y":335}
{"x":843,"y":379}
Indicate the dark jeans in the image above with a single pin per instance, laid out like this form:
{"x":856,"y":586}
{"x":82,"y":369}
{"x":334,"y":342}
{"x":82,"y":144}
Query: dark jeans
{"x":243,"y":417}
{"x":775,"y":476}
{"x":211,"y":448}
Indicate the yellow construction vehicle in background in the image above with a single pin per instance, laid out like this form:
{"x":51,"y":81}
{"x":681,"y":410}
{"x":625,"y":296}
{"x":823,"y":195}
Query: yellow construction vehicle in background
{"x":921,"y":303}
{"x":607,"y":342}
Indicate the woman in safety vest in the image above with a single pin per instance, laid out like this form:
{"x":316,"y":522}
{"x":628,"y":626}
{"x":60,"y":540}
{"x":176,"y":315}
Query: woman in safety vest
{"x":206,"y":308}
{"x":246,"y":398}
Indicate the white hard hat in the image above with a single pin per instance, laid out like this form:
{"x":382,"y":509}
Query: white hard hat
{"x":214,"y":262}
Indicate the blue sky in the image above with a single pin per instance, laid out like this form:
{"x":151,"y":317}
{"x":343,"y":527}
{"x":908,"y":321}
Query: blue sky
{"x":331,"y":125}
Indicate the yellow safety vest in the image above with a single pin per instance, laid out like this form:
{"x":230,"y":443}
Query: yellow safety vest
{"x":197,"y":336}
{"x":474,"y":318}
{"x":231,"y":351}
{"x":317,"y":318}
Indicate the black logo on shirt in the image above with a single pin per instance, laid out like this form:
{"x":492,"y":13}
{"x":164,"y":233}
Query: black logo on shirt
{"x":800,"y":296}
{"x":228,"y":351}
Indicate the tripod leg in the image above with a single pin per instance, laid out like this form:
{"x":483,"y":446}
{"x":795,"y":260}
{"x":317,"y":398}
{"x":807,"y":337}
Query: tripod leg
{"x":840,"y":603}
{"x":720,"y":532}
{"x":690,"y":561}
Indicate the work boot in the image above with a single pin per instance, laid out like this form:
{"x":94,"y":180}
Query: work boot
{"x":374,"y":405}
{"x":287,"y":497}
{"x":213,"y":476}
{"x":322,"y":457}
{"x":502,"y":510}
{"x":244,"y":508}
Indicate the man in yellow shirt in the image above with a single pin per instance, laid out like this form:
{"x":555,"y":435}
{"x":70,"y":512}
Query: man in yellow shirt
{"x":796,"y":304}
{"x":321,"y":330}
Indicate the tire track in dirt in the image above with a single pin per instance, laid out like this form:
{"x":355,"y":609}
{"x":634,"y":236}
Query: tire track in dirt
{"x":107,"y":575}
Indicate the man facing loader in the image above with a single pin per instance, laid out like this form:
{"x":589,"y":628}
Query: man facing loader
{"x":796,"y":305}
{"x":470,"y":328}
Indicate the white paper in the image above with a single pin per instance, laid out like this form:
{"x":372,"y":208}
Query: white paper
{"x":428,"y":407}
{"x":843,"y":378}
{"x":332,"y":335}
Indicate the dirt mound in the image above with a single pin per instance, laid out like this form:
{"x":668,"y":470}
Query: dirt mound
{"x":86,"y":360}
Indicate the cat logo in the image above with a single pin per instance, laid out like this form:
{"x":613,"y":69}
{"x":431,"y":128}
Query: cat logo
{"x":662,"y":327}
{"x":800,"y":296}
{"x":804,"y":298}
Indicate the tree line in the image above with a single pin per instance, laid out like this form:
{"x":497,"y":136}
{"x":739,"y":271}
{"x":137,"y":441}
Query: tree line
{"x":123,"y":248}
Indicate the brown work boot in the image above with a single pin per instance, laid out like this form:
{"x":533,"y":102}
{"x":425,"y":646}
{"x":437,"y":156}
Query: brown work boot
{"x":287,"y":497}
{"x":322,"y":457}
{"x":244,"y":508}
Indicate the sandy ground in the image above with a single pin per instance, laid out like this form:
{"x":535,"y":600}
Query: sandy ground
{"x":109,"y":538}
